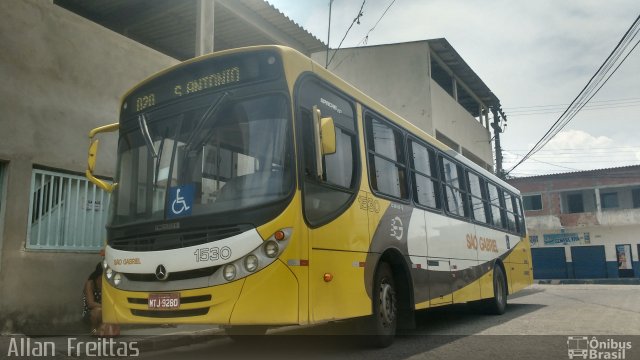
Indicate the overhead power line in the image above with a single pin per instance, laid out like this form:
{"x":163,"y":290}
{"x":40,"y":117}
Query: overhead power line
{"x":590,"y":107}
{"x":517,"y":108}
{"x":597,"y":81}
{"x":366,"y":37}
{"x":356,"y":19}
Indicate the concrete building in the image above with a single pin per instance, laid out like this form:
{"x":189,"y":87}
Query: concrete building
{"x":64,"y":65}
{"x":428,"y":83}
{"x":584,"y":224}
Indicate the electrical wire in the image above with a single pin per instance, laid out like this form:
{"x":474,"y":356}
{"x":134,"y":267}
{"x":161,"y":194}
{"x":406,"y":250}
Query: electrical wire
{"x":571,"y":110}
{"x":515,"y":108}
{"x":356,"y":19}
{"x":589,"y":90}
{"x":366,"y":37}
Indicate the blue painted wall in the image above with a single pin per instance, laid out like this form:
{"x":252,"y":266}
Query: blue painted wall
{"x":589,"y":262}
{"x":548,"y":264}
{"x":612,"y":269}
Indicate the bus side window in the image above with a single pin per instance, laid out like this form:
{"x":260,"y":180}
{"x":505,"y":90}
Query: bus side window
{"x":521,"y":224}
{"x":325,"y":198}
{"x":387,"y":171}
{"x":517,"y":212}
{"x":453,"y":184}
{"x":478,"y":202}
{"x":510,"y":213}
{"x":494,"y":201}
{"x":424,"y":176}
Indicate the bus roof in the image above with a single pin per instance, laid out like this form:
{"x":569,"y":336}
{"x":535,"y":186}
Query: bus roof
{"x":292,"y":55}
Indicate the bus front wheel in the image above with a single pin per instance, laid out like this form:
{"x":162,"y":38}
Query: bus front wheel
{"x":385,"y":307}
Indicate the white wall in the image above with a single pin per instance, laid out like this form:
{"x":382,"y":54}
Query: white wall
{"x":452,"y":120}
{"x":395,"y":75}
{"x":598,"y":235}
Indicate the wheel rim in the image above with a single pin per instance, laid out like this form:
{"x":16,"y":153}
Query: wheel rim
{"x":387,"y":304}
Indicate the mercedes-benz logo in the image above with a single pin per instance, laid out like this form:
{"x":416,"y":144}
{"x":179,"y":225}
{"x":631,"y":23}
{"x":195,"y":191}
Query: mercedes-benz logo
{"x":161,"y":273}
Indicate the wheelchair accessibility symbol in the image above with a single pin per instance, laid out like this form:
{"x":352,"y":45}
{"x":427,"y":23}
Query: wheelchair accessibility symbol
{"x":180,"y":201}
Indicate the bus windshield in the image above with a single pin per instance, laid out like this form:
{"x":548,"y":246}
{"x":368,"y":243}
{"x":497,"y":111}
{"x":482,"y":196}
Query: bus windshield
{"x":194,"y":159}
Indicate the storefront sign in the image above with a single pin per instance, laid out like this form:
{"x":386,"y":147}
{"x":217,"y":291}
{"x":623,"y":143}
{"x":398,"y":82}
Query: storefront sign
{"x":561,"y":239}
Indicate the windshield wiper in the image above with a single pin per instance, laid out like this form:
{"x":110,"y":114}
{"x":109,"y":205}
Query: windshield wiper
{"x":144,"y":129}
{"x":155,"y":154}
{"x":208,"y":115}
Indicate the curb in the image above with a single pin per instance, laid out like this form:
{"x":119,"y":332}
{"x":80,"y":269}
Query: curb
{"x":172,"y":340}
{"x":614,"y":281}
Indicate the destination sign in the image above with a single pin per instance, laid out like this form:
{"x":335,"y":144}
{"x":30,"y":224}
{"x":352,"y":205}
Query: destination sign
{"x":208,"y":74}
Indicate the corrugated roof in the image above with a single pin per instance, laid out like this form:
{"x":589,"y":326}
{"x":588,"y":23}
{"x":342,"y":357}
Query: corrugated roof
{"x":169,"y":26}
{"x":461,"y":69}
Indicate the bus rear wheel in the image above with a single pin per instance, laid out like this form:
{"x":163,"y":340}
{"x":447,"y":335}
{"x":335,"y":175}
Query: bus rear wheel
{"x":384,"y":320}
{"x":497,"y":305}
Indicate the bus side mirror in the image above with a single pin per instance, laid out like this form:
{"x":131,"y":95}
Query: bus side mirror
{"x":93,"y":153}
{"x":324,"y":134}
{"x":328,"y":136}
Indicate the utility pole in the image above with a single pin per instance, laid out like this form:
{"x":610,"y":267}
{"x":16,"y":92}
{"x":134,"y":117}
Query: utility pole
{"x":496,"y":136}
{"x":326,"y":62}
{"x":204,"y":27}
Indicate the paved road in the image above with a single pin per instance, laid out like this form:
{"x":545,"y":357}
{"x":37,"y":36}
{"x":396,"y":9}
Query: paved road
{"x":536,"y":326}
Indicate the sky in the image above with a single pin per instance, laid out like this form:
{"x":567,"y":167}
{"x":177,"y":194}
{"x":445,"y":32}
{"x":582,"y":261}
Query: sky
{"x":536,"y":56}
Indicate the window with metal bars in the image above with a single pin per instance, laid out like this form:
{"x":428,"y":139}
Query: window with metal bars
{"x":66,"y":212}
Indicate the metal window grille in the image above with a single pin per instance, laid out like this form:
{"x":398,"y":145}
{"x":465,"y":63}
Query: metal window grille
{"x":66,"y":212}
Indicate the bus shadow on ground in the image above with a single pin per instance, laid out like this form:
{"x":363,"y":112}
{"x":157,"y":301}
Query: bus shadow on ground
{"x":434,"y":328}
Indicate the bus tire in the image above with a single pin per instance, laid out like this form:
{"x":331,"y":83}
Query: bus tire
{"x":497,"y":305}
{"x":384,"y":320}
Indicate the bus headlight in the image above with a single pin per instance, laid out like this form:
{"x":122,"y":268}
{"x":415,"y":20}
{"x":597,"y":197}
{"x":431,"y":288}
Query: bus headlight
{"x":229,"y":272}
{"x":271,"y":249}
{"x":109,"y":273}
{"x":117,"y":279}
{"x":104,"y":264}
{"x":251,"y":263}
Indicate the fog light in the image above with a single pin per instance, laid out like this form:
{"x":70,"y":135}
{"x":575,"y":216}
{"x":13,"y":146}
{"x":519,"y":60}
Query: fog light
{"x":229,"y":272}
{"x":251,"y":263}
{"x":109,"y":273}
{"x":271,"y":249}
{"x":117,"y":279}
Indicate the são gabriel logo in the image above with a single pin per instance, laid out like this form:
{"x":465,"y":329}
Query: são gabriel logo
{"x":583,"y":347}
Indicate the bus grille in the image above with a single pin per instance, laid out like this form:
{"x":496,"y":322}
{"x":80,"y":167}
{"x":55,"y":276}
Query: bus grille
{"x":170,"y":313}
{"x":158,"y":242}
{"x":173,"y":276}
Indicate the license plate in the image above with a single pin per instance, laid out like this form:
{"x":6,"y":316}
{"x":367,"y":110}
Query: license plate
{"x":164,"y":301}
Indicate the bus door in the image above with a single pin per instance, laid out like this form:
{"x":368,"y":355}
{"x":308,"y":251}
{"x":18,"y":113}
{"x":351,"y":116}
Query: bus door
{"x":338,"y":227}
{"x":439,"y":281}
{"x":439,"y":247}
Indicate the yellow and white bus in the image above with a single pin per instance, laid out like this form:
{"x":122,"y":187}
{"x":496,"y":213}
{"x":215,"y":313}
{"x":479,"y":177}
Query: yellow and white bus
{"x":256,"y":189}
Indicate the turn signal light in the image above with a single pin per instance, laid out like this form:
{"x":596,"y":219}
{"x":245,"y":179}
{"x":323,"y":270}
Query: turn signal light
{"x":327,"y":277}
{"x":279,"y":235}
